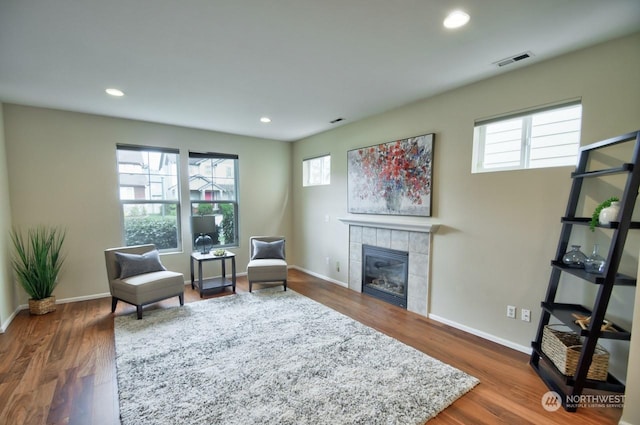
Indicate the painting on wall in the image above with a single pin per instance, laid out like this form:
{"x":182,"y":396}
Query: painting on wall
{"x":391,"y":178}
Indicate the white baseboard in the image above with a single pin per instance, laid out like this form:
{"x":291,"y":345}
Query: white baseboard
{"x":472,"y":331}
{"x":319,"y":276}
{"x":21,"y":307}
{"x":6,"y":324}
{"x":481,"y":334}
{"x":83,"y":298}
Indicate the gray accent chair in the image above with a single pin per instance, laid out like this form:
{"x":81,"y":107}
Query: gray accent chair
{"x":264,"y":267}
{"x":141,"y":289}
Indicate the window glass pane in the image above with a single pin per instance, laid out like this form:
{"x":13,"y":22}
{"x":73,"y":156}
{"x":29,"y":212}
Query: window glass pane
{"x":503,"y":144}
{"x":555,"y":137}
{"x":316,"y":171}
{"x":148,"y":175}
{"x":503,"y":159}
{"x":151,"y":223}
{"x":213,"y":195}
{"x":305,"y":172}
{"x":127,"y":192}
{"x":549,"y":138}
{"x":149,"y":196}
{"x":212,"y":178}
{"x":217,"y":220}
{"x":507,"y":146}
{"x":326,"y":170}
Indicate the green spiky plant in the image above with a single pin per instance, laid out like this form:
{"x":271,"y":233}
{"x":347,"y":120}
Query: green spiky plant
{"x":38,"y":259}
{"x":595,"y":218}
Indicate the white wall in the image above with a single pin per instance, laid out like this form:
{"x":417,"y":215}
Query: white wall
{"x":7,"y":288}
{"x":62,"y":171}
{"x":499,"y":230}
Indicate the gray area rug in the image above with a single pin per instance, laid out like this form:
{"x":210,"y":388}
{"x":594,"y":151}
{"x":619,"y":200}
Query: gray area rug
{"x":273,"y":357}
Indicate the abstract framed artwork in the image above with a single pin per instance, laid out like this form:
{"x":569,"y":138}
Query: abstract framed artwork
{"x":392,"y":178}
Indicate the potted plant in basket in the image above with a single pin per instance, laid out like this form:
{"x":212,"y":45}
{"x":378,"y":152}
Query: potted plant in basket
{"x":37,"y":262}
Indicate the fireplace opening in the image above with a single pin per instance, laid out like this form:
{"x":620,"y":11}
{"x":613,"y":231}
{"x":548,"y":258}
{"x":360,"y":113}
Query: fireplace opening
{"x":385,"y":274}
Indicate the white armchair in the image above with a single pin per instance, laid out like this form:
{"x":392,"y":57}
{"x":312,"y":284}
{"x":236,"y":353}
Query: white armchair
{"x":136,"y":276}
{"x":267,"y":261}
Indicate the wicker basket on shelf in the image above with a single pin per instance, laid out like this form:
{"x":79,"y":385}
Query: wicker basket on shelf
{"x":563,"y":349}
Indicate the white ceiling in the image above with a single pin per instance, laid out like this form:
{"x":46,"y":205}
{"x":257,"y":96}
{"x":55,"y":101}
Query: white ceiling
{"x":222,"y":64}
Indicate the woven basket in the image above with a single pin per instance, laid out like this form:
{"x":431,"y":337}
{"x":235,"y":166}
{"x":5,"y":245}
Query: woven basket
{"x":43,"y":306}
{"x":563,"y":349}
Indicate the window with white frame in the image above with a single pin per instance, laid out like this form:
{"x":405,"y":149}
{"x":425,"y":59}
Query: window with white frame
{"x":149,"y":196}
{"x":316,"y":171}
{"x":213,"y":192}
{"x":547,"y":137}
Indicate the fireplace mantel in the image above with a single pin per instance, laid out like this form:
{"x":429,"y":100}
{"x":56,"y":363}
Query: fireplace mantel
{"x":413,"y":224}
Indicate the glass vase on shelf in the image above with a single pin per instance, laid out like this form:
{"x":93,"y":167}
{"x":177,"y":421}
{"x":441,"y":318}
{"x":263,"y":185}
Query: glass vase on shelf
{"x":595,"y":262}
{"x":574,"y":257}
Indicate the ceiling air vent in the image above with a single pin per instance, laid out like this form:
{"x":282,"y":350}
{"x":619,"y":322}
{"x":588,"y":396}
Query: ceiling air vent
{"x":513,"y":59}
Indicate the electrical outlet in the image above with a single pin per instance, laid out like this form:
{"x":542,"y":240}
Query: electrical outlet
{"x":326,"y":218}
{"x":326,"y":260}
{"x":525,"y":315}
{"x":511,"y":311}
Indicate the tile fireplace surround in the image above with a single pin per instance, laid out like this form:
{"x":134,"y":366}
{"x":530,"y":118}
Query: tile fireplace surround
{"x":400,"y":233}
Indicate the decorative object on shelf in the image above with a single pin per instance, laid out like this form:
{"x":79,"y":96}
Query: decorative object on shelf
{"x":37,"y":263}
{"x":609,"y":214}
{"x":204,"y":243}
{"x":574,"y":257}
{"x":583,"y":322}
{"x":563,"y":349}
{"x":391,"y":178}
{"x":597,"y":218}
{"x":219,"y":252}
{"x":594,"y":263}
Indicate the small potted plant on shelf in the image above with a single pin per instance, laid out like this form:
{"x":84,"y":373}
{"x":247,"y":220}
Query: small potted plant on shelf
{"x":37,"y":262}
{"x":595,"y":218}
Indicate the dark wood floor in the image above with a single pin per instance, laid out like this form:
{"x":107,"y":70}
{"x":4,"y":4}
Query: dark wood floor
{"x":60,"y":368}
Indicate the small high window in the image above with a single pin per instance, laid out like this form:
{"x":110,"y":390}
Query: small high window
{"x":316,"y":171}
{"x":548,"y":137}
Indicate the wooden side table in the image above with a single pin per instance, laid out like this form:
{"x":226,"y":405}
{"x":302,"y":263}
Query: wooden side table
{"x":215,"y":284}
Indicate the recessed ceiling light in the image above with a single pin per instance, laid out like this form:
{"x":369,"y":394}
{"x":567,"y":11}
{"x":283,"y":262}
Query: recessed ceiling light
{"x":456,"y":19}
{"x":265,"y":120}
{"x":115,"y":92}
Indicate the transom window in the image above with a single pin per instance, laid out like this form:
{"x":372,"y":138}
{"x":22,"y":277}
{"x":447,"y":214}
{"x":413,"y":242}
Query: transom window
{"x":149,"y":196}
{"x":548,"y":137}
{"x":316,"y":171}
